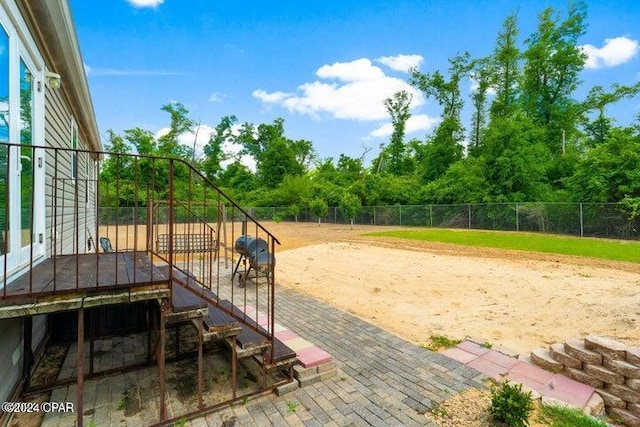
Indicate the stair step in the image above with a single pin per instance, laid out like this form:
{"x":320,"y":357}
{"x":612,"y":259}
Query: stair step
{"x":249,"y":339}
{"x":184,"y":300}
{"x":221,"y":325}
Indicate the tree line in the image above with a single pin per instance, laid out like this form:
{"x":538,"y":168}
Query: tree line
{"x":529,"y":138}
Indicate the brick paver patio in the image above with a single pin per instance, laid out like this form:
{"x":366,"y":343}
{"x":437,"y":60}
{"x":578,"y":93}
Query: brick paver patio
{"x":382,"y":379}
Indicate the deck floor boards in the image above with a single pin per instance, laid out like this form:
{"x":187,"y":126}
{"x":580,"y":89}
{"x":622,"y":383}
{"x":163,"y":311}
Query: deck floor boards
{"x":75,"y":276}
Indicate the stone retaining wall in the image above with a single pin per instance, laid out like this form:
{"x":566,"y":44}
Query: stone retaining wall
{"x":609,"y":366}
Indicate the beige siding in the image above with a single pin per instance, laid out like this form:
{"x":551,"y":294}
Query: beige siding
{"x":70,"y":203}
{"x":11,"y":333}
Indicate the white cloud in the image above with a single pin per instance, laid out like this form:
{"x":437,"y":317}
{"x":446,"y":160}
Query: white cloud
{"x":87,"y":69}
{"x":354,"y":71}
{"x":216,"y":97}
{"x":417,"y":123}
{"x":614,"y":52}
{"x":271,"y":98}
{"x":401,"y":62}
{"x":145,"y":3}
{"x":352,"y":90}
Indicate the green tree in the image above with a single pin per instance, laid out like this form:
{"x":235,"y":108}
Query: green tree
{"x":609,"y":172}
{"x":169,"y":144}
{"x":464,"y":182}
{"x":319,"y":208}
{"x":275,"y":155}
{"x":398,"y":108}
{"x":505,"y":70}
{"x":516,"y":160}
{"x":214,"y":153}
{"x":350,"y":206}
{"x":444,"y":148}
{"x":482,"y":77}
{"x":597,"y":100}
{"x":553,"y":62}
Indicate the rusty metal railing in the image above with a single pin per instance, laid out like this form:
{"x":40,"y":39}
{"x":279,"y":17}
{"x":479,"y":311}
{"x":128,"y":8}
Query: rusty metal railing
{"x":98,"y":221}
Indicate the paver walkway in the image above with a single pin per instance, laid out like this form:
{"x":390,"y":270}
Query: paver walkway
{"x":551,"y":387}
{"x":383,"y":380}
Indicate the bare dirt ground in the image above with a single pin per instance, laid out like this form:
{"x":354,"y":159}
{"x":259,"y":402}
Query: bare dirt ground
{"x":417,"y":289}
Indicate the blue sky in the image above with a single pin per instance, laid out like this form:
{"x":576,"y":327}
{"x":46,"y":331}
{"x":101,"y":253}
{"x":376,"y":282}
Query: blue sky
{"x":323,"y":66}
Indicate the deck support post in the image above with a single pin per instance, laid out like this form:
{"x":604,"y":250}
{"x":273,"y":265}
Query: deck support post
{"x":161,"y":367}
{"x":200,"y":362}
{"x":234,"y":368}
{"x":80,"y":366}
{"x":176,"y":341}
{"x":27,"y":353}
{"x":150,"y":328}
{"x":92,"y":326}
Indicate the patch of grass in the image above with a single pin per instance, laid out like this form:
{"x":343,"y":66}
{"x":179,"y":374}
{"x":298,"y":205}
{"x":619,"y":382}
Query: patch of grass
{"x":439,"y":411}
{"x":292,"y":406}
{"x":180,"y":423}
{"x":562,"y":416}
{"x":486,"y":344}
{"x":122,"y":403}
{"x":438,"y":342}
{"x":545,"y":243}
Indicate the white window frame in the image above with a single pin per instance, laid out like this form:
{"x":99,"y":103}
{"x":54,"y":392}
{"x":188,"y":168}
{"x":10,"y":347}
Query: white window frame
{"x":23,"y":47}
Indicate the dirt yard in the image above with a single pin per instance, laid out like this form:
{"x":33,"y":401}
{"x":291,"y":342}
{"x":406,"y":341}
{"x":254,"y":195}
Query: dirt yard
{"x":417,"y":289}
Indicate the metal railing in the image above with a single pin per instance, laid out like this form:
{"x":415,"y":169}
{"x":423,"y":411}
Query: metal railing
{"x":102,"y":206}
{"x":607,"y":220}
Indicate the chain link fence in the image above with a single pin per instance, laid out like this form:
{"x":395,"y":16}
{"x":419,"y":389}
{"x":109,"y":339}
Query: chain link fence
{"x":610,"y":220}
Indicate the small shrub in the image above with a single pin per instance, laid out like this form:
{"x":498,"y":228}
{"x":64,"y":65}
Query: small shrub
{"x":510,"y":405}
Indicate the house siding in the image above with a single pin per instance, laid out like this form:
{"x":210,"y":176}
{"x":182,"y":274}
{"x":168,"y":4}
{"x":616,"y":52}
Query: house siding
{"x":10,"y":356}
{"x":70,"y":203}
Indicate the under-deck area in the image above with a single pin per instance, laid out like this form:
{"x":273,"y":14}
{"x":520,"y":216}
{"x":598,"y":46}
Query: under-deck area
{"x":197,"y":349}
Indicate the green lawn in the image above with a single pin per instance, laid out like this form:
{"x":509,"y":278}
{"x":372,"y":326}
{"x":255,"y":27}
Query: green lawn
{"x":588,"y":247}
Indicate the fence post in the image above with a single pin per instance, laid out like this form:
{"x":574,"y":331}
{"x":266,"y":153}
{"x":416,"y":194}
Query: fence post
{"x":469,"y":212}
{"x":335,"y":215}
{"x":374,"y":215}
{"x":517,"y":219}
{"x":400,"y":210}
{"x":430,"y":215}
{"x":581,"y":222}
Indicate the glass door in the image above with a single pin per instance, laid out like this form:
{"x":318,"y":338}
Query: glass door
{"x":21,"y":163}
{"x":4,"y":150}
{"x":27,"y":168}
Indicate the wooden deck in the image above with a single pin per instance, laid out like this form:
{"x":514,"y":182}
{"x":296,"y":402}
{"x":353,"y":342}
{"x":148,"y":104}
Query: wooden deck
{"x":68,"y":282}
